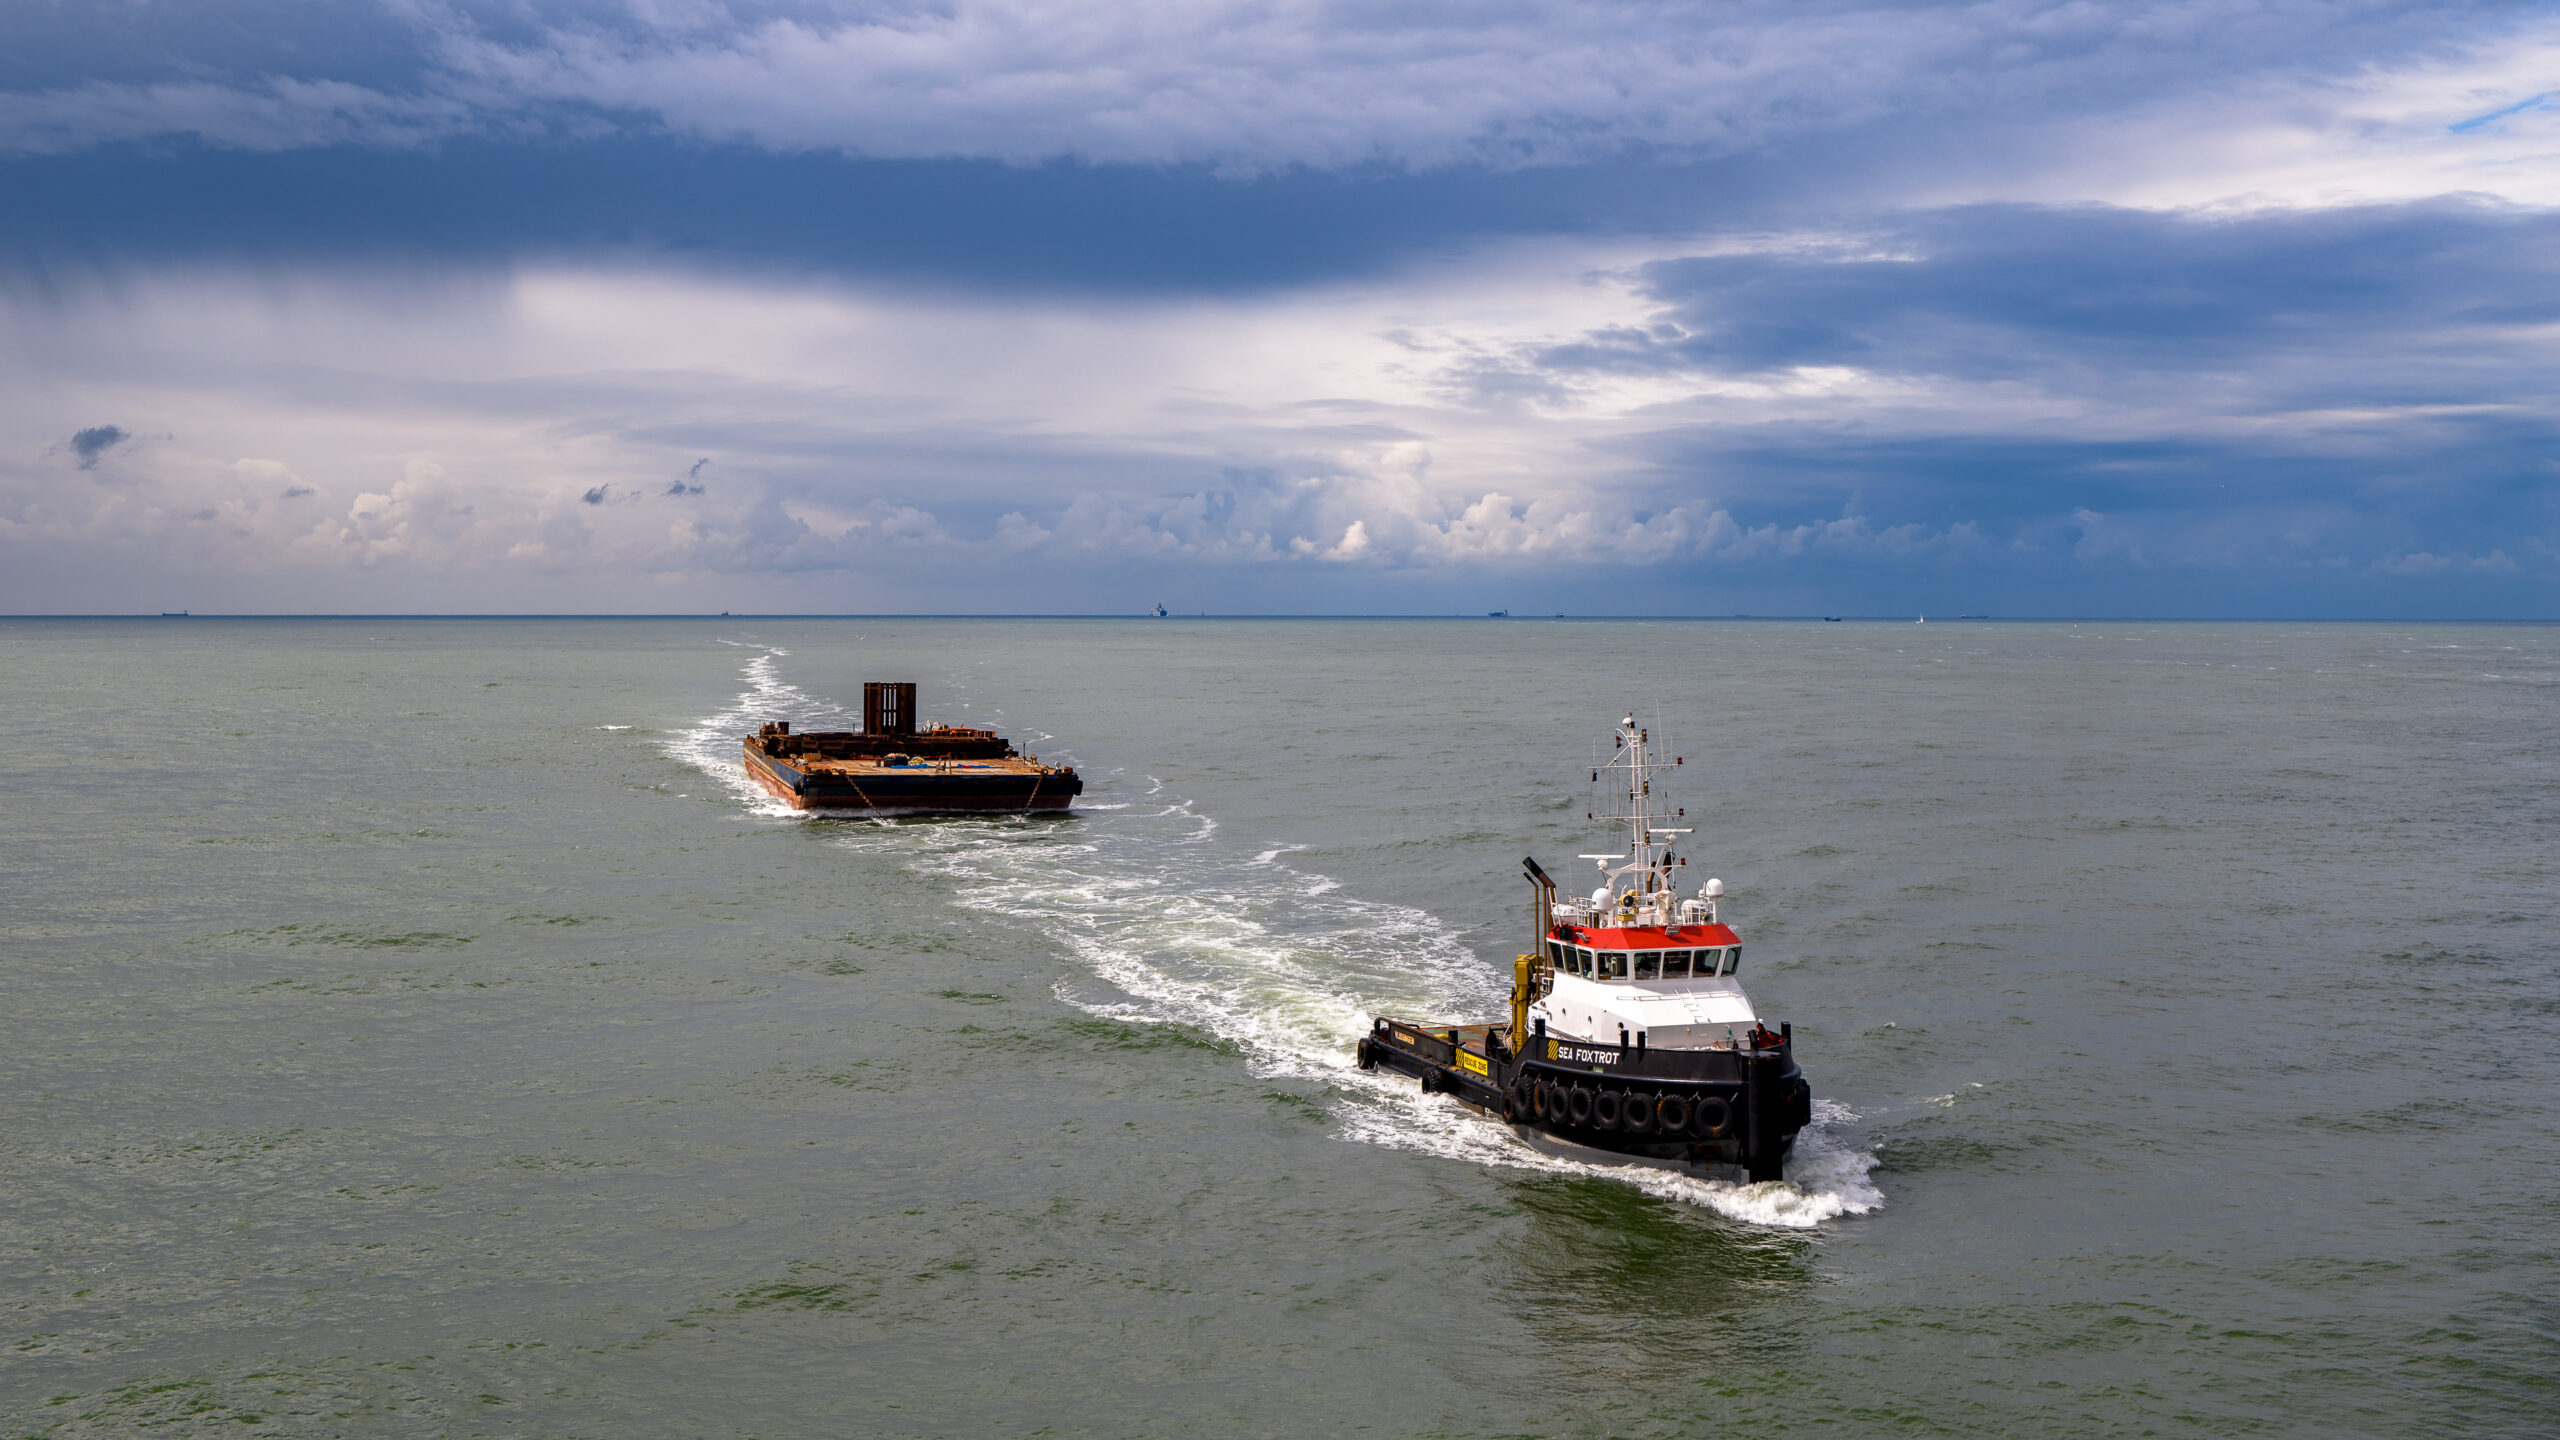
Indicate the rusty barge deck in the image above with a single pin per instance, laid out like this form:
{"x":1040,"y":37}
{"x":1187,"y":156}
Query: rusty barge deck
{"x":892,"y":767}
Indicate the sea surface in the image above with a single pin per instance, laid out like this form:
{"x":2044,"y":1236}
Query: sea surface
{"x":420,"y":1028}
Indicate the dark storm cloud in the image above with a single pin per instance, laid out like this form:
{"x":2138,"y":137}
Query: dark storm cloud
{"x":2482,"y":470}
{"x":2145,"y":389}
{"x":1179,"y":161}
{"x":1232,"y":84}
{"x":960,"y":223}
{"x":95,"y":441}
{"x":386,"y":46}
{"x":2011,"y":292}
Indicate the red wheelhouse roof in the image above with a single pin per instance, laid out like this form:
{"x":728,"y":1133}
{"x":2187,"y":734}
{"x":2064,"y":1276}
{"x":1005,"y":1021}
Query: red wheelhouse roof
{"x":1647,"y":937}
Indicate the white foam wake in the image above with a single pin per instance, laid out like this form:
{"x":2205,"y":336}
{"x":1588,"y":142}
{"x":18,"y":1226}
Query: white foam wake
{"x":711,"y":745}
{"x":1277,"y":961}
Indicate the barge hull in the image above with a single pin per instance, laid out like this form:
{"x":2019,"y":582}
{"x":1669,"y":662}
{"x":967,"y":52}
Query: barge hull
{"x":921,"y":790}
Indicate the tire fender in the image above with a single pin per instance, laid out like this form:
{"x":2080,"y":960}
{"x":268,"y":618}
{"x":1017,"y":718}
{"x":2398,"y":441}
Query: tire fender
{"x":1712,"y":1117}
{"x":1635,"y":1113}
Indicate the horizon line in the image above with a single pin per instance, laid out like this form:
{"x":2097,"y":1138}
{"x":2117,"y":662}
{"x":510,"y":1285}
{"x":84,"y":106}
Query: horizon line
{"x":1210,"y":615}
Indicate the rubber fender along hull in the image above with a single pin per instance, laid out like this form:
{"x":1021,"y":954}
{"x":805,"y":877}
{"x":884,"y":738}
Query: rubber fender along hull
{"x":1747,"y":1116}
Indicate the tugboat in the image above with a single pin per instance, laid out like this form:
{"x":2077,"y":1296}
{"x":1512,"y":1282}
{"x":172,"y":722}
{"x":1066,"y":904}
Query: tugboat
{"x":1629,"y":1031}
{"x":890,"y":767}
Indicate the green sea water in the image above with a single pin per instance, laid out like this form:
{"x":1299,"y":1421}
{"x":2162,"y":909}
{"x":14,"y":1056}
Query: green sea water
{"x":419,"y":1028}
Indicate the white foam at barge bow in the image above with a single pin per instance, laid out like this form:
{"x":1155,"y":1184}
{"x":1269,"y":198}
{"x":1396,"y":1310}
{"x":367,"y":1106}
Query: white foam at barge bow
{"x":712,"y":745}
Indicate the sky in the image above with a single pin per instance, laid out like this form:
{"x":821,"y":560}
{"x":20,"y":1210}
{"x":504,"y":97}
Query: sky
{"x":2081,"y":308}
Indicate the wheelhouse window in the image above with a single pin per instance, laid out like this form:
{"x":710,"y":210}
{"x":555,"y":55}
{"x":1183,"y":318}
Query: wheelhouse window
{"x":1561,"y":954}
{"x":1582,"y":962}
{"x":1733,"y":959}
{"x":1675,"y":964}
{"x":1649,"y":965}
{"x":1613,"y":964}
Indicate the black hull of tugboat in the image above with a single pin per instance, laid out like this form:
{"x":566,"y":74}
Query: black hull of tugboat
{"x":1723,"y":1107}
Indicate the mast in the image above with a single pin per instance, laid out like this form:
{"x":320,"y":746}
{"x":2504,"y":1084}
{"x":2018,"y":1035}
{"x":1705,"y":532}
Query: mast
{"x":1643,"y":871}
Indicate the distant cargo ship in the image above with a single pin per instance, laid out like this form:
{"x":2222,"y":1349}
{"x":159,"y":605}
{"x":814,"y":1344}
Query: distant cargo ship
{"x":890,"y":767}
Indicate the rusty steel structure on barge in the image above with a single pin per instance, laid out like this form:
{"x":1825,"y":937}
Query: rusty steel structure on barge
{"x":893,"y":767}
{"x":1629,"y":1030}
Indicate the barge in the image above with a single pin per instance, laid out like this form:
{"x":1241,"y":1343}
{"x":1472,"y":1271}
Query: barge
{"x":893,"y":767}
{"x":1629,"y":1031}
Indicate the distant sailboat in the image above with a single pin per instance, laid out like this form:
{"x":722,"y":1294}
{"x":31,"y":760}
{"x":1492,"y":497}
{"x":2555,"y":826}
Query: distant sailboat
{"x":1923,"y":620}
{"x":1160,"y":612}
